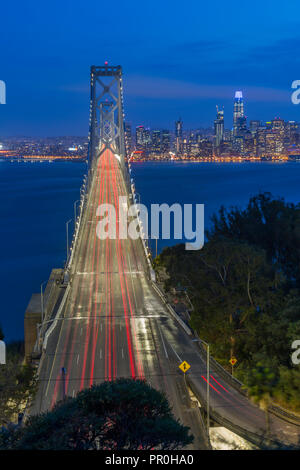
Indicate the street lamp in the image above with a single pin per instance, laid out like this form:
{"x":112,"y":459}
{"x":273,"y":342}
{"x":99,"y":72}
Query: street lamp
{"x":207,"y":383}
{"x":67,"y":231}
{"x":138,"y":196}
{"x":75,"y":215}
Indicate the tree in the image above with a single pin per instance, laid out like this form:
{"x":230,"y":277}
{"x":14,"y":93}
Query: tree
{"x":228,"y":282}
{"x":244,"y":287}
{"x":260,"y":383}
{"x":17,"y":383}
{"x":121,"y":414}
{"x":287,"y":391}
{"x":268,"y":223}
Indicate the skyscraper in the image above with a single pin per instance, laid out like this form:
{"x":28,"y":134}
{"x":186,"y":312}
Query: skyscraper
{"x":254,"y":125}
{"x":178,"y":135}
{"x":291,"y":133}
{"x":278,"y":130}
{"x":219,"y":128}
{"x":238,"y":112}
{"x":165,"y":141}
{"x":142,"y":138}
{"x":139,"y":137}
{"x":156,"y":141}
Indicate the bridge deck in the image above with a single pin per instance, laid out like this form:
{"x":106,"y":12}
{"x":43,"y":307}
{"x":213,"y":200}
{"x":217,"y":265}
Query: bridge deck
{"x":114,"y":325}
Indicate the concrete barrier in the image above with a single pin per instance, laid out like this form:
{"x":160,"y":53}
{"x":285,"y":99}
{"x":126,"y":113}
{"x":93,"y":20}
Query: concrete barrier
{"x":59,"y":311}
{"x":171,"y":310}
{"x":259,"y":440}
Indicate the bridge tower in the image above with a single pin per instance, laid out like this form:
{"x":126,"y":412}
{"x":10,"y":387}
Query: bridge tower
{"x":106,"y":129}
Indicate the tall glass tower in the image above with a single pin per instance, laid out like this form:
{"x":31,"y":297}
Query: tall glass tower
{"x":219,"y":127}
{"x":238,"y":111}
{"x":178,"y":135}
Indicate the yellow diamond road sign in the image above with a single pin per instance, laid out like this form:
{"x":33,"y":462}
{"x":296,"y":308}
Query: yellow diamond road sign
{"x":233,"y":361}
{"x":184,"y":366}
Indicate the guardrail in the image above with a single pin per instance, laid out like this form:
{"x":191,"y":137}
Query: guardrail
{"x":50,"y":330}
{"x":286,"y":415}
{"x":83,"y":201}
{"x":171,"y":310}
{"x":259,"y":440}
{"x":221,"y":371}
{"x":276,"y":410}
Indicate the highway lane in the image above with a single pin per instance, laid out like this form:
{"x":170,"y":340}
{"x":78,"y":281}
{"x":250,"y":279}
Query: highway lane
{"x":112,"y":323}
{"x":115,"y":325}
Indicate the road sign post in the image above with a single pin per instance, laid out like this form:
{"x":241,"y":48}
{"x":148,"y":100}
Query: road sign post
{"x":232,"y":361}
{"x":184,"y":366}
{"x":207,"y":384}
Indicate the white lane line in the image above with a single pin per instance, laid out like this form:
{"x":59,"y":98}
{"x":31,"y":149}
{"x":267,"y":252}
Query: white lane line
{"x":100,"y":353}
{"x":135,"y":301}
{"x":81,"y":331}
{"x":77,"y":358}
{"x":175,"y":352}
{"x":101,"y":326}
{"x":162,"y":339}
{"x":73,"y":393}
{"x":54,"y":359}
{"x":122,"y":353}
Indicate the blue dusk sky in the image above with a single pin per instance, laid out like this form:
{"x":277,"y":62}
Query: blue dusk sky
{"x":179,"y":59}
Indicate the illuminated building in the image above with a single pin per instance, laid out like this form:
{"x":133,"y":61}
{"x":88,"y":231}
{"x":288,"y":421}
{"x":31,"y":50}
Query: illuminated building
{"x":156,"y":141}
{"x":143,"y":139}
{"x":291,"y":134}
{"x":249,"y":145}
{"x":260,"y":141}
{"x":238,"y":111}
{"x":219,"y":128}
{"x":178,"y":135}
{"x":254,"y":125}
{"x":278,"y":131}
{"x":205,"y":149}
{"x":165,"y":141}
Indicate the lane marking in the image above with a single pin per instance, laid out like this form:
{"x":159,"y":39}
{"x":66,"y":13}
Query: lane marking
{"x":161,"y":335}
{"x":210,"y":385}
{"x":181,"y":360}
{"x":219,"y":384}
{"x":54,"y":359}
{"x":132,"y":283}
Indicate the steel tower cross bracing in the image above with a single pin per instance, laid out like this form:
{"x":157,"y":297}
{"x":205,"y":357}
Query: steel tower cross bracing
{"x":106,"y":130}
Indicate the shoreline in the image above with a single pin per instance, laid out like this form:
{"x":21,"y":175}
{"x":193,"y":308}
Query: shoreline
{"x":150,"y":160}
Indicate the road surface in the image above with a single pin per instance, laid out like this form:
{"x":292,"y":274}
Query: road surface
{"x":115,"y":325}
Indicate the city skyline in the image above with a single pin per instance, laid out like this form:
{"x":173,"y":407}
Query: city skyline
{"x":184,"y":74}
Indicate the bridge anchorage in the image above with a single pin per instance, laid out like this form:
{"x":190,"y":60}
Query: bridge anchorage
{"x":106,"y":125}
